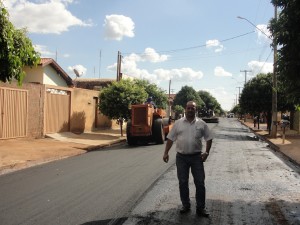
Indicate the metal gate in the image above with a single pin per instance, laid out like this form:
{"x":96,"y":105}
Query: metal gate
{"x":14,"y":112}
{"x":57,"y":111}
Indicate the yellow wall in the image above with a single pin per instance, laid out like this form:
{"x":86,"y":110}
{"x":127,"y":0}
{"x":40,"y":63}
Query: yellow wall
{"x":33,"y":75}
{"x":84,"y":113}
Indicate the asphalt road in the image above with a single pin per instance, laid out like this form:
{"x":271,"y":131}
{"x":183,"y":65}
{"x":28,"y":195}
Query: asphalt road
{"x":246,"y":182}
{"x":99,"y":187}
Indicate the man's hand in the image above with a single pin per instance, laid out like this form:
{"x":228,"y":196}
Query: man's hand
{"x":204,"y":156}
{"x":166,"y":157}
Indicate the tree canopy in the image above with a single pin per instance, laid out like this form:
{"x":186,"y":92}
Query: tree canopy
{"x":16,"y":50}
{"x":117,"y":98}
{"x":256,"y":96}
{"x":211,"y":103}
{"x":158,"y":95}
{"x":285,"y":31}
{"x":188,"y":94}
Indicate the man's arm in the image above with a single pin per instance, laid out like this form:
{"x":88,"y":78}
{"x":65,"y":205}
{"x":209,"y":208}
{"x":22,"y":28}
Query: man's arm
{"x":206,"y":153}
{"x":167,"y":149}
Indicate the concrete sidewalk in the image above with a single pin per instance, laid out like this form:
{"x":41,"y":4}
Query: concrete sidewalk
{"x":21,"y":153}
{"x":288,"y":146}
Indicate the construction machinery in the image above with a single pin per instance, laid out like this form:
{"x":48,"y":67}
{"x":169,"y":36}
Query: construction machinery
{"x":147,"y":124}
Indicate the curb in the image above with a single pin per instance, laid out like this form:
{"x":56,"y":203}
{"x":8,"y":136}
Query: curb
{"x":15,"y":167}
{"x":96,"y":147}
{"x":273,"y":146}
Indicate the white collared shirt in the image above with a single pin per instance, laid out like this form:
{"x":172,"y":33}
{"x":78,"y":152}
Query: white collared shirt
{"x":188,"y":135}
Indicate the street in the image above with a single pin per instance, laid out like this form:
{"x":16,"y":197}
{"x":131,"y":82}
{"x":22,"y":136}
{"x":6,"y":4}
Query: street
{"x":98,"y":187}
{"x":246,"y":183}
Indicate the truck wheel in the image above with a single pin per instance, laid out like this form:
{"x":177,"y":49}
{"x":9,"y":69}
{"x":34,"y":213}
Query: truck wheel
{"x":158,"y":132}
{"x":130,"y":139}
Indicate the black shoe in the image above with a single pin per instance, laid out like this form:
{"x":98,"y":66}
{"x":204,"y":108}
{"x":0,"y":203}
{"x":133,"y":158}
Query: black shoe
{"x":202,"y":212}
{"x":185,"y":209}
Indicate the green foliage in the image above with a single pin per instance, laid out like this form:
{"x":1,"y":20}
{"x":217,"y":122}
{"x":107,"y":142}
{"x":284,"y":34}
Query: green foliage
{"x":285,"y":31}
{"x":178,"y":109}
{"x":236,"y":110}
{"x":256,"y":96}
{"x":116,"y":99}
{"x":210,"y":103}
{"x":158,"y":95}
{"x":16,"y":50}
{"x":188,"y":94}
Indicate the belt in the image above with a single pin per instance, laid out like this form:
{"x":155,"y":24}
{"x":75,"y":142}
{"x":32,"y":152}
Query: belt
{"x":196,"y":153}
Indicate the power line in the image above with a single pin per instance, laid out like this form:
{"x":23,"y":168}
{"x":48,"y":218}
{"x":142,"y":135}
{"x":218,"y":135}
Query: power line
{"x":193,"y":47}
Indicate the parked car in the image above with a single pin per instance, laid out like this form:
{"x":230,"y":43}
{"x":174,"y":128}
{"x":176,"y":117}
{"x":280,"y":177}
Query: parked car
{"x":230,"y":115}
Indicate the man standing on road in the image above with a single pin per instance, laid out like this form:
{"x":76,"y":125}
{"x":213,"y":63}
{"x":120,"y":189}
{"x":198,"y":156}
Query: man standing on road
{"x":188,"y":132}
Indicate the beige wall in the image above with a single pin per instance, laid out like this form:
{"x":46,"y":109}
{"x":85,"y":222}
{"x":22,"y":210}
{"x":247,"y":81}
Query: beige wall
{"x":33,"y":75}
{"x":84,"y":113}
{"x":83,"y":109}
{"x":36,"y":98}
{"x":43,"y":75}
{"x":52,"y":78}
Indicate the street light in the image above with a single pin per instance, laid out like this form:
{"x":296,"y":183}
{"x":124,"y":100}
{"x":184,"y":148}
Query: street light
{"x":242,"y":18}
{"x":274,"y":88}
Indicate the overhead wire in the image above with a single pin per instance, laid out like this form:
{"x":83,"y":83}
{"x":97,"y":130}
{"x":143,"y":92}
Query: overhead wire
{"x":192,"y":47}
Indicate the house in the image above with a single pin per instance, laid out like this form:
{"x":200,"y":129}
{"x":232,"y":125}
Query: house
{"x":47,"y":102}
{"x":47,"y":72}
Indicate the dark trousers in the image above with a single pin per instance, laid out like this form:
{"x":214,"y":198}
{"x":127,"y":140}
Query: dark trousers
{"x":184,"y":163}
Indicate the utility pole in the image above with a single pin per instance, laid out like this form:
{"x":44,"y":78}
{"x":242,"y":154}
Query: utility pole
{"x":245,"y":71}
{"x":169,"y":100}
{"x":274,"y":89}
{"x":100,"y":64}
{"x":119,"y":74}
{"x":239,"y":92}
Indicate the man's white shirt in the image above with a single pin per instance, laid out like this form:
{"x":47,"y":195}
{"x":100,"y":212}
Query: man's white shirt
{"x":188,"y":135}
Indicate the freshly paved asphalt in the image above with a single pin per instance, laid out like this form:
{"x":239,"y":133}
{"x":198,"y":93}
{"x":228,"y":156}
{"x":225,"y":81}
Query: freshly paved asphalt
{"x":21,"y":153}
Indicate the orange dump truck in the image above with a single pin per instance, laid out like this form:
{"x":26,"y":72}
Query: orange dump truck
{"x":147,"y":125}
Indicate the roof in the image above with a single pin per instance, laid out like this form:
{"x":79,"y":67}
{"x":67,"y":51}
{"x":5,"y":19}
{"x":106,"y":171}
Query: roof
{"x":93,"y":83}
{"x":49,"y":61}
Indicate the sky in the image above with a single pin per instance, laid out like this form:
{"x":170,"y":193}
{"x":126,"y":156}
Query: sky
{"x":196,"y":43}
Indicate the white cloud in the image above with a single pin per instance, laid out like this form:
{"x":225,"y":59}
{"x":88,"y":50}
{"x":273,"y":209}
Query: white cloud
{"x":260,"y":67}
{"x":215,"y":44}
{"x":130,"y":68}
{"x":80,"y":68}
{"x":180,"y":75}
{"x":223,"y":97}
{"x":118,"y":26}
{"x":42,"y":49}
{"x":220,"y":72}
{"x":45,"y":17}
{"x":152,"y":56}
{"x":263,"y":33}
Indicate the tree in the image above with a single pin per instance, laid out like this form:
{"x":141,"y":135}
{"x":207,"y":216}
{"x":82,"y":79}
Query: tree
{"x":236,"y":110}
{"x":178,"y":109}
{"x":285,"y":31}
{"x":257,"y":95}
{"x":16,"y":50}
{"x":158,"y":95}
{"x":188,"y":94}
{"x":116,"y":100}
{"x":211,"y":104}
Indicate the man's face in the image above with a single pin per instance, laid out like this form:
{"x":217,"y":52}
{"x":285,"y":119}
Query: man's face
{"x":190,"y":109}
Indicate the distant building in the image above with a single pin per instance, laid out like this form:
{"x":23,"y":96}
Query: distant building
{"x":92,"y":84}
{"x":47,"y":72}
